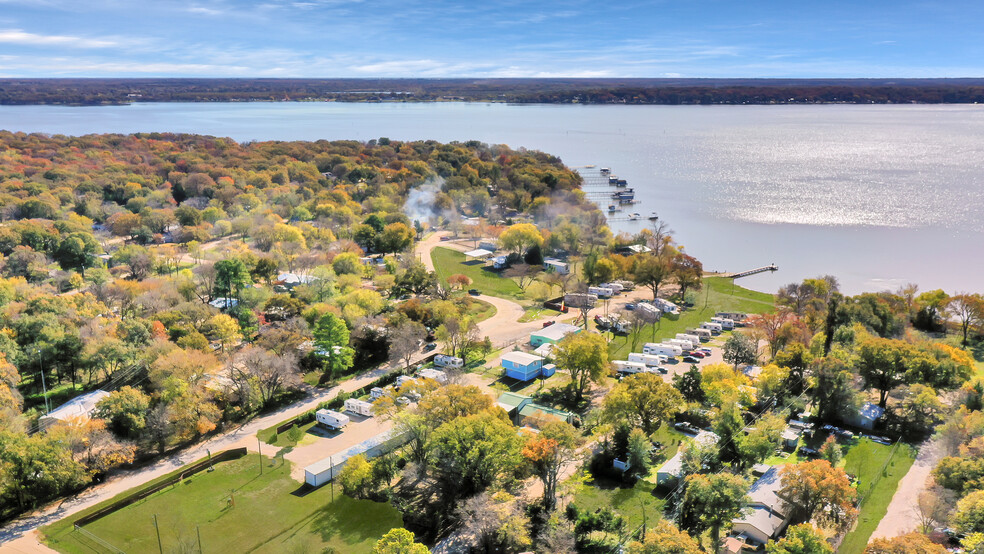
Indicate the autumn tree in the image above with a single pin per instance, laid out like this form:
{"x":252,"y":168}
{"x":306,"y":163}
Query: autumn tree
{"x":263,"y":373}
{"x":687,"y":272}
{"x":456,"y":334}
{"x":665,"y":538}
{"x":405,"y":340}
{"x":459,"y":281}
{"x":548,"y":451}
{"x":818,"y":490}
{"x":644,"y":400}
{"x":969,"y":517}
{"x":910,"y":543}
{"x":470,"y":453}
{"x":969,"y":311}
{"x":740,"y":349}
{"x":521,"y":237}
{"x":651,"y":271}
{"x":399,"y":541}
{"x":585,"y":356}
{"x":712,"y":501}
{"x":125,"y":410}
{"x":800,"y":539}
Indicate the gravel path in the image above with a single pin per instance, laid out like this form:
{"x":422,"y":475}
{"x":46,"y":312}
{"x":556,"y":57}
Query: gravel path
{"x":902,"y":515}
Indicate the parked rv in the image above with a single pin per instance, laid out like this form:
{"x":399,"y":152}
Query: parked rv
{"x":704,"y":334}
{"x":358,"y":407}
{"x":726,"y":324}
{"x":623,"y":366}
{"x":694,"y":339}
{"x":616,"y":287}
{"x":714,"y":328}
{"x":662,"y":348}
{"x":453,"y":362}
{"x":683,"y":344}
{"x":331,"y":419}
{"x":602,"y":292}
{"x":650,"y":360}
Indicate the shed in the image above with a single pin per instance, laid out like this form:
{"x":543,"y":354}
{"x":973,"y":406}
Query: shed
{"x":790,"y":437}
{"x":80,"y":407}
{"x":544,"y":350}
{"x":556,"y":265}
{"x":478,"y":254}
{"x":866,"y":417}
{"x":532,"y":409}
{"x":512,"y":402}
{"x":552,"y":333}
{"x":521,"y":365}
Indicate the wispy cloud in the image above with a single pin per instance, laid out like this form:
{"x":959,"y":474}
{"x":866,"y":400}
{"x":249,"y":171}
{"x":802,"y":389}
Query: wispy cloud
{"x":24,"y":38}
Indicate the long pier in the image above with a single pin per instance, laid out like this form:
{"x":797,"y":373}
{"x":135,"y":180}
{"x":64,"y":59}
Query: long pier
{"x":757,"y":270}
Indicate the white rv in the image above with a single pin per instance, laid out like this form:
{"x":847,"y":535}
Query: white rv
{"x":358,"y":407}
{"x":714,"y":328}
{"x":616,"y":287}
{"x":453,"y":362}
{"x":435,"y":374}
{"x":331,"y":419}
{"x":704,"y":334}
{"x":695,"y":339}
{"x":376,"y":393}
{"x":666,"y":306}
{"x":726,"y":323}
{"x":602,"y":292}
{"x":623,"y":366}
{"x":682,"y":343}
{"x":650,"y":360}
{"x":662,"y":348}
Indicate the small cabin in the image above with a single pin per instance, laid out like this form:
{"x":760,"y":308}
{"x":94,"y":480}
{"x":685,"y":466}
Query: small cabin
{"x":521,"y":365}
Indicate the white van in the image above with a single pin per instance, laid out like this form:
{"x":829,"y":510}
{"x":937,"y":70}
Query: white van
{"x":331,"y":419}
{"x":662,"y":348}
{"x":453,"y":362}
{"x":651,"y":360}
{"x":358,"y":407}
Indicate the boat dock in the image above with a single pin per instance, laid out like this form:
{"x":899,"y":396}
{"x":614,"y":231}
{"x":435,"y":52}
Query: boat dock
{"x":757,"y":270}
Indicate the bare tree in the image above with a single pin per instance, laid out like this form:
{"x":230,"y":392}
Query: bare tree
{"x":524,"y":273}
{"x":934,"y":506}
{"x":405,"y":341}
{"x":265,"y":372}
{"x":205,"y":278}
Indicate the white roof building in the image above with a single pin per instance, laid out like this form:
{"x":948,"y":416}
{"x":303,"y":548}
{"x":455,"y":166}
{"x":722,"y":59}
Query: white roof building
{"x":673,"y":468}
{"x":80,"y":407}
{"x":521,"y":358}
{"x":479,"y":253}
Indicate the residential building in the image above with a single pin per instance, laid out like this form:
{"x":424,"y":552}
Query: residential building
{"x":552,"y":334}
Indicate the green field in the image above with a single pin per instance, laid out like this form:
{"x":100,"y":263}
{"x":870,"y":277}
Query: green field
{"x":717,"y":296}
{"x":629,"y":502}
{"x":865,"y":460}
{"x":449,"y":262}
{"x":269,"y":514}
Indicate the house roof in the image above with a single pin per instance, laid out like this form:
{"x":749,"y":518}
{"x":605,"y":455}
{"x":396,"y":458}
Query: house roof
{"x":521,"y":358}
{"x":674,"y":466}
{"x":361,"y":448}
{"x":80,"y":406}
{"x":763,"y":519}
{"x":556,"y":331}
{"x":294,"y":279}
{"x":871,"y":411}
{"x":512,"y":399}
{"x":765,"y":491}
{"x":544,"y":349}
{"x":534,"y":409}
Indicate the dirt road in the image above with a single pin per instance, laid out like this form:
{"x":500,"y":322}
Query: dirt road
{"x":902,"y":515}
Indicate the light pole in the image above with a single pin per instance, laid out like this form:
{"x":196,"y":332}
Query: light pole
{"x":44,"y":387}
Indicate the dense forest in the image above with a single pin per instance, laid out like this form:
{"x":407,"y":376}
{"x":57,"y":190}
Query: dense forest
{"x":562,"y":91}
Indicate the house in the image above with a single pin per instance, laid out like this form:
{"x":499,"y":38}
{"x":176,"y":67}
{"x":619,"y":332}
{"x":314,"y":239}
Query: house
{"x":552,"y":333}
{"x":553,"y":264}
{"x":791,"y":437}
{"x":867,"y":416}
{"x":519,"y":407}
{"x":544,"y":350}
{"x":80,"y":407}
{"x":633,"y":249}
{"x":521,"y":365}
{"x":291,"y":280}
{"x":435,"y":374}
{"x":766,"y":515}
{"x":671,"y":471}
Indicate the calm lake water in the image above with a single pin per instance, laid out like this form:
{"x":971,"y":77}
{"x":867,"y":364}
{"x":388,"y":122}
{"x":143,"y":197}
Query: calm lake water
{"x":876,"y":195}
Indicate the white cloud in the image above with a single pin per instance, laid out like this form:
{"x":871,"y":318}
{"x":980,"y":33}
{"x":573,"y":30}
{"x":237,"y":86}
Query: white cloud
{"x":204,"y":11}
{"x":18,"y":36}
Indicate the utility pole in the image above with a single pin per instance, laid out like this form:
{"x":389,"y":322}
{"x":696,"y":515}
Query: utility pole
{"x":331,"y":477}
{"x":259,"y":449}
{"x":160,"y":547}
{"x":44,"y":387}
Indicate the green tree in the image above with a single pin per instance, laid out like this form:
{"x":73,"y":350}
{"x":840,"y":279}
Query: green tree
{"x":356,"y":477}
{"x":36,"y":468}
{"x":712,"y":501}
{"x":651,"y":271}
{"x":125,"y":410}
{"x":969,"y":311}
{"x":347,"y":263}
{"x":969,"y":517}
{"x":396,"y":237}
{"x":690,"y":384}
{"x":547,"y":452}
{"x":800,"y":539}
{"x":639,"y":447}
{"x":470,"y":453}
{"x":77,"y":251}
{"x":231,"y":277}
{"x":833,"y":392}
{"x":521,"y":237}
{"x":399,"y":541}
{"x":882,"y":364}
{"x":740,"y":349}
{"x":585,"y":356}
{"x":665,"y":539}
{"x":831,"y":451}
{"x":642,"y":399}
{"x":331,"y":336}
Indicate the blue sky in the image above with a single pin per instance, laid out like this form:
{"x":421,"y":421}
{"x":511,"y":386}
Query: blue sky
{"x":491,"y":38}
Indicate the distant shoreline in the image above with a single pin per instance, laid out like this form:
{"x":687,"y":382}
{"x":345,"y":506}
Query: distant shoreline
{"x":672,"y":92}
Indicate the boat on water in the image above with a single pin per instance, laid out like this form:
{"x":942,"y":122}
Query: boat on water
{"x":653,"y":216}
{"x":589,"y":166}
{"x":612,"y":208}
{"x":604,"y":169}
{"x":621,"y":183}
{"x":634,"y":216}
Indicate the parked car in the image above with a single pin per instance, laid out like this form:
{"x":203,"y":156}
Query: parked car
{"x":445,"y":238}
{"x":474,"y":292}
{"x":694,"y":353}
{"x":706,"y":351}
{"x":685,"y":427}
{"x":809,"y":452}
{"x":630,"y":307}
{"x":844,"y":434}
{"x":691,"y":360}
{"x":548,"y":323}
{"x":430,"y":346}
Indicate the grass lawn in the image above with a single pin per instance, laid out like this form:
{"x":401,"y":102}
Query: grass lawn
{"x":534,"y":313}
{"x":672,"y":440}
{"x":267,"y":516}
{"x":449,"y":262}
{"x":284,"y":439}
{"x":865,"y":460}
{"x":629,"y":502}
{"x":478,"y":310}
{"x":716,"y":296}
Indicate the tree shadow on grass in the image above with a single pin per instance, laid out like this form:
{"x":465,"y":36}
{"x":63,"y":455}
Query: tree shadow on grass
{"x":346,"y":520}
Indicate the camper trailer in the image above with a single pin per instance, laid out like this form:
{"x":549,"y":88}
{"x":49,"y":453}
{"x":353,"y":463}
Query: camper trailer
{"x":616,"y":287}
{"x":714,"y":328}
{"x":694,"y":339}
{"x":376,"y":393}
{"x":435,"y":374}
{"x":452,"y":362}
{"x":602,"y":292}
{"x":736,"y":317}
{"x":662,"y":349}
{"x":358,"y":407}
{"x":650,"y":360}
{"x":666,"y":306}
{"x":726,"y":324}
{"x":623,"y":366}
{"x":682,"y":343}
{"x":331,"y":419}
{"x":704,"y":334}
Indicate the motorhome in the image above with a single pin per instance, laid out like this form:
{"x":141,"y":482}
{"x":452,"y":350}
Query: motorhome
{"x":358,"y":407}
{"x":623,"y":366}
{"x":662,"y":349}
{"x":453,"y":362}
{"x":602,"y":292}
{"x":714,"y":328}
{"x":331,"y":419}
{"x":726,"y":323}
{"x":650,"y":360}
{"x":704,"y":334}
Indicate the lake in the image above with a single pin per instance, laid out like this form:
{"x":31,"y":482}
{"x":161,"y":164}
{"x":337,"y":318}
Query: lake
{"x":878,"y":196}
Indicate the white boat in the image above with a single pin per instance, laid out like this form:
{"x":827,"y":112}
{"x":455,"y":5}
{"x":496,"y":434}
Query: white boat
{"x":634,"y":216}
{"x":653,"y":216}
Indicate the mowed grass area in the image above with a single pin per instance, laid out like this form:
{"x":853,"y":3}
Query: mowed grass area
{"x":449,"y":262}
{"x":865,"y":460}
{"x":629,"y":502}
{"x":268,"y":515}
{"x":716,"y":296}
